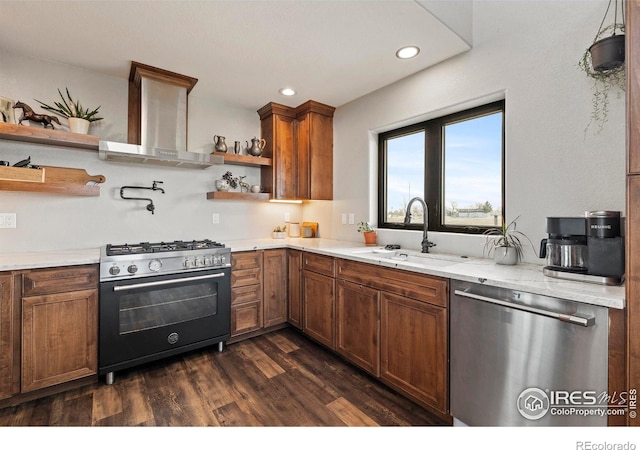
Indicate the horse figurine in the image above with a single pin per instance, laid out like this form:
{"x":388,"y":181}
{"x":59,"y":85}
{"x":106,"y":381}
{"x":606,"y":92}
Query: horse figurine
{"x":244,"y":187}
{"x":28,"y":114}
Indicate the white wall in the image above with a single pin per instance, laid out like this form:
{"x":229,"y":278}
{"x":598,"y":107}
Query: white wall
{"x":52,"y":221}
{"x":527,"y":52}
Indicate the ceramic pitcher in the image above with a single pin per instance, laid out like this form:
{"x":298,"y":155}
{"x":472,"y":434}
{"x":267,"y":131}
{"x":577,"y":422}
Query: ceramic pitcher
{"x":220,"y":144}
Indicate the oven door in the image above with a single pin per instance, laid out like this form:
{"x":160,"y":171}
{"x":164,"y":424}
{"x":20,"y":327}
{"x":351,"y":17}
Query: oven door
{"x":145,"y":319}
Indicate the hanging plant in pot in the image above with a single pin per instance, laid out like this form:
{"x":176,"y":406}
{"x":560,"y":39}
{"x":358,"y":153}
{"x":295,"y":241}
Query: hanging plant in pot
{"x":603,"y":62}
{"x":79,"y":117}
{"x":506,"y":243}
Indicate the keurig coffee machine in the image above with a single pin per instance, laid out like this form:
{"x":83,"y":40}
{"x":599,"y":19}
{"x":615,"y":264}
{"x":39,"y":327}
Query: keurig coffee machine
{"x":589,"y":248}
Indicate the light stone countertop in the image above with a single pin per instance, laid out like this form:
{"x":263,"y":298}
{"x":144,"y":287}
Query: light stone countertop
{"x":523,"y":277}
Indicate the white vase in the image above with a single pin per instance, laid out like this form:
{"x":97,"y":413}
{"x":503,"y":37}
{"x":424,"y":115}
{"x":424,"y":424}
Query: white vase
{"x":222,"y":185}
{"x":507,"y":256}
{"x":77,"y":125}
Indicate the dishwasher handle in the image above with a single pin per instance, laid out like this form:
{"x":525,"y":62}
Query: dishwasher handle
{"x":570,"y":318}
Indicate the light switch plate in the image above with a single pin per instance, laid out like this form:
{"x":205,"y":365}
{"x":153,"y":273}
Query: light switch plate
{"x":352,"y":218}
{"x":7,"y":220}
{"x":344,"y":218}
{"x":215,"y":218}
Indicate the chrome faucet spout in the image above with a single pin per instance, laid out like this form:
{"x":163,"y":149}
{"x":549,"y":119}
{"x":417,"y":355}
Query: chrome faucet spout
{"x":426,"y":243}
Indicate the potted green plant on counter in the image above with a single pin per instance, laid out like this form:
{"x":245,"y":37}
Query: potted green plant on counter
{"x":79,"y":117}
{"x":506,"y":243}
{"x":369,"y":233}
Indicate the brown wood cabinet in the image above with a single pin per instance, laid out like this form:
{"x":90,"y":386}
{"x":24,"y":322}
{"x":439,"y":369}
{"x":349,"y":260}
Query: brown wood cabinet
{"x":59,"y":326}
{"x":7,"y":338}
{"x":632,"y":250}
{"x":246,"y":292}
{"x":358,"y":325}
{"x":414,"y":349}
{"x":318,"y":296}
{"x":300,"y":144}
{"x":275,"y":287}
{"x":413,"y":321}
{"x":294,"y":268}
{"x":258,"y":291}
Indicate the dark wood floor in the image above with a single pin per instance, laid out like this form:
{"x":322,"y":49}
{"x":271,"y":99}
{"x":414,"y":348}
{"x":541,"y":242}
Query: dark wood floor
{"x":280,"y":379}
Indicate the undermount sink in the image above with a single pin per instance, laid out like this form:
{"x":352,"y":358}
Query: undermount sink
{"x":408,"y":256}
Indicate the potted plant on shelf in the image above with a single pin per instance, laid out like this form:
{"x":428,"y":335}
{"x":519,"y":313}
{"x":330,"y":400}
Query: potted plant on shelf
{"x":506,"y":243}
{"x":603,"y":62}
{"x":370,"y":236}
{"x":79,"y":117}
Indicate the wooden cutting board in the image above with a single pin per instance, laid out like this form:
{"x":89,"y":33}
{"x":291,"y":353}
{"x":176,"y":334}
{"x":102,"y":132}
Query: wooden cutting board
{"x":67,"y":175}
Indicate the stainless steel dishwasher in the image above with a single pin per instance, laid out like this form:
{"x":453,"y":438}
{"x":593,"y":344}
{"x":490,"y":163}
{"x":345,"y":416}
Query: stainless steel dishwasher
{"x":520,"y":359}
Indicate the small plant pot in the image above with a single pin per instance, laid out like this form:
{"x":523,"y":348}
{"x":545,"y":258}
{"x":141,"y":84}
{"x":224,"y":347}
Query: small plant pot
{"x":507,"y":256}
{"x":77,"y":125}
{"x":370,"y":237}
{"x":278,"y":234}
{"x":607,"y":53}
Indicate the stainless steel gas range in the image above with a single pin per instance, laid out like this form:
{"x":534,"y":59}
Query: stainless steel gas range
{"x":161,"y":299}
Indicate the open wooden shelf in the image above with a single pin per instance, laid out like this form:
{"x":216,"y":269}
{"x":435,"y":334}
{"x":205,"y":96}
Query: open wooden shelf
{"x":60,"y":180}
{"x":47,"y":136}
{"x":245,"y":160}
{"x":225,"y":195}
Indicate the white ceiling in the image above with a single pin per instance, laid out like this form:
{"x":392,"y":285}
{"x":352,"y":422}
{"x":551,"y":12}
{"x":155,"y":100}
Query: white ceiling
{"x":241,"y":51}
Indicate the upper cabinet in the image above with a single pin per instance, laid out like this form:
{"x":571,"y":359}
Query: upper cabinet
{"x":300,"y":143}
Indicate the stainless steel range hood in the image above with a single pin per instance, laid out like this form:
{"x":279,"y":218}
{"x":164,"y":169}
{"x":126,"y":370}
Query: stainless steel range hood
{"x":132,"y":153}
{"x":158,"y":107}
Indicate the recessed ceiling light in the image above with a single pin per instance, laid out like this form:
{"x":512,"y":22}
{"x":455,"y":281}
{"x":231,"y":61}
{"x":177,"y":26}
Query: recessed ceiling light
{"x":407,"y":52}
{"x":287,"y":91}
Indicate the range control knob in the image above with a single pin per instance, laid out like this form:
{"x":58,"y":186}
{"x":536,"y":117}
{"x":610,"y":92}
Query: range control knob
{"x":155,"y":265}
{"x":114,"y":270}
{"x":132,"y":268}
{"x":223,"y":259}
{"x":188,"y":263}
{"x":208,"y":261}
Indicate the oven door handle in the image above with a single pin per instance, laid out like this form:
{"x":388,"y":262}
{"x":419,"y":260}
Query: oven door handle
{"x":165,"y":282}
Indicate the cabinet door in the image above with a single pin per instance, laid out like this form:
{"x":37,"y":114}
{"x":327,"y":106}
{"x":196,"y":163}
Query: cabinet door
{"x":6,"y":337}
{"x":414,"y":349}
{"x":275,"y":287}
{"x":318,"y":294}
{"x":358,"y":325}
{"x":246,"y":317}
{"x":294,"y":268}
{"x":59,"y":338}
{"x":278,"y":131}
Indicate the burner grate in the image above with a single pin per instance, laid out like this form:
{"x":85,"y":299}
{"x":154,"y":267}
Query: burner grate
{"x":158,"y":247}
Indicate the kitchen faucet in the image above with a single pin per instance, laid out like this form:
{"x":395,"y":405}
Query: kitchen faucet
{"x":426,"y":243}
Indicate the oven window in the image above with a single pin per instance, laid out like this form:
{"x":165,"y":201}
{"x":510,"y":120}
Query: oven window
{"x":167,"y":306}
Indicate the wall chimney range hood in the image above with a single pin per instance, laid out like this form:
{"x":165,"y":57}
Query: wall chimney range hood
{"x":157,"y":131}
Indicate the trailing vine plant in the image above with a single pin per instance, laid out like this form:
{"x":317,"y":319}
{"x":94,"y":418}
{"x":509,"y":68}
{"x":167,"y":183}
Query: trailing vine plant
{"x":603,"y":81}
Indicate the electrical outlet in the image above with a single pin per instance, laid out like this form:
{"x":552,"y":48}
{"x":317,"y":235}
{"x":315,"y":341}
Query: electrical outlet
{"x":352,"y":219}
{"x":215,"y":218}
{"x":287,"y":217}
{"x":344,"y":218}
{"x":7,"y":220}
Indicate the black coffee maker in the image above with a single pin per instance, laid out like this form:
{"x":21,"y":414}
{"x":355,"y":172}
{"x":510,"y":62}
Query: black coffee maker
{"x":589,"y":248}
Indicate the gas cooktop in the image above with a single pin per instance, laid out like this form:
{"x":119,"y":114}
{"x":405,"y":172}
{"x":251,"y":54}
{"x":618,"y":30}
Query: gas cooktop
{"x":159,"y":258}
{"x":147,"y":247}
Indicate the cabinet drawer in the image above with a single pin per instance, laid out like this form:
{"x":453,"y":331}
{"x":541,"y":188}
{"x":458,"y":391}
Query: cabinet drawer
{"x":245,"y":318}
{"x":319,"y":263}
{"x":246,"y":277}
{"x":245,"y":294}
{"x":66,"y":279}
{"x":421,"y":287}
{"x":246,"y":260}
